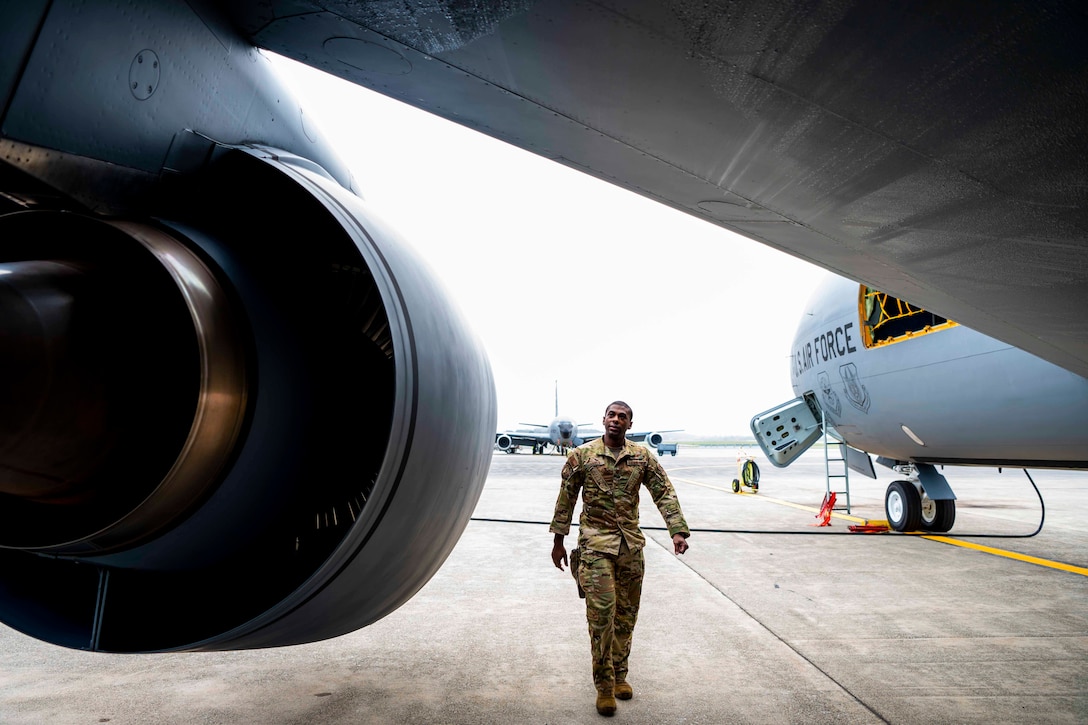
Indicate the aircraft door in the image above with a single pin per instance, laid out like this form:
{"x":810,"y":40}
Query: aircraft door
{"x":788,"y":430}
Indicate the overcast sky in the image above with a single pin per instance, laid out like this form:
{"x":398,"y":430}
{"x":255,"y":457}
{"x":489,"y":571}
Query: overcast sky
{"x":570,"y":279}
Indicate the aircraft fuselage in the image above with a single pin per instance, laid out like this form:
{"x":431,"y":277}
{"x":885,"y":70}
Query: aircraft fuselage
{"x":563,"y":432}
{"x":949,"y":395}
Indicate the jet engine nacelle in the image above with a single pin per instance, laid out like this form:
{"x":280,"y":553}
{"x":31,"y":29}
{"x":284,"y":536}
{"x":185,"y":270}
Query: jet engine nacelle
{"x":504,"y":442}
{"x":250,"y":420}
{"x":653,"y":440}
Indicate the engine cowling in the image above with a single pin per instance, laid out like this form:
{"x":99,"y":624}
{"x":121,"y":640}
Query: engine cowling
{"x":252,"y":421}
{"x":504,"y":442}
{"x":653,"y":440}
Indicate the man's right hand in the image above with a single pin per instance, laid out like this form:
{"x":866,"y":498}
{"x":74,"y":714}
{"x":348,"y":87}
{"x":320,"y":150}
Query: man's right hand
{"x":559,"y":554}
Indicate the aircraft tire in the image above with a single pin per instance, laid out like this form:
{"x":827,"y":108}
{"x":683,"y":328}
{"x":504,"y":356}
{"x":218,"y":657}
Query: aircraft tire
{"x":903,"y":506}
{"x":736,"y":486}
{"x":938,"y":516}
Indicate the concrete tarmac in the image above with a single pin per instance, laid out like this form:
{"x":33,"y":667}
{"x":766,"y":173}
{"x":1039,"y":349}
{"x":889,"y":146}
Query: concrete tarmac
{"x":808,"y":624}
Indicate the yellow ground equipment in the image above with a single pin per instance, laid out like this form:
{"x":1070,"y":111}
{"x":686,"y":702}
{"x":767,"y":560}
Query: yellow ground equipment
{"x":747,"y":473}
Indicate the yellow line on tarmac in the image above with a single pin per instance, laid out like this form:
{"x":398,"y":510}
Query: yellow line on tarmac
{"x":770,"y":499}
{"x":1010,"y":554}
{"x":942,"y":539}
{"x":688,"y":468}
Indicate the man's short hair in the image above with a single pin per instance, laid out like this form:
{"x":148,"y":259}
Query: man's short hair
{"x":630,"y":413}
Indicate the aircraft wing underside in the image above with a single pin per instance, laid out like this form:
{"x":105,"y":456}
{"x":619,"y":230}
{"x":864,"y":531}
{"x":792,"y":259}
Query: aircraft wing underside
{"x":931,"y":150}
{"x":527,"y":439}
{"x":649,"y":437}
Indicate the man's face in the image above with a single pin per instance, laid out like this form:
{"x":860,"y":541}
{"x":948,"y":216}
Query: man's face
{"x":617,"y":421}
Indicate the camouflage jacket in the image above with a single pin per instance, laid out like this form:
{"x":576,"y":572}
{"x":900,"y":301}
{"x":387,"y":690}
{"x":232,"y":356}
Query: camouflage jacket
{"x":610,"y":489}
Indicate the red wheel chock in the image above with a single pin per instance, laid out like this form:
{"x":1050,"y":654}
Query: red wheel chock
{"x":825,"y":509}
{"x":868,"y":528}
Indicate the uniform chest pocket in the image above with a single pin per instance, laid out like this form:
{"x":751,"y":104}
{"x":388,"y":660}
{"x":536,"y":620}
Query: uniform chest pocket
{"x":600,"y":475}
{"x":630,"y":476}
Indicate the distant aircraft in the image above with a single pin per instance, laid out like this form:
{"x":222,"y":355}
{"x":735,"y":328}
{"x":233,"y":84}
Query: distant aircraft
{"x":237,"y":400}
{"x":918,"y":391}
{"x":562,"y":434}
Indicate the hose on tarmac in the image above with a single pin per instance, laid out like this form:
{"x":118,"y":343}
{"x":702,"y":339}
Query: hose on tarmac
{"x":1042,"y":518}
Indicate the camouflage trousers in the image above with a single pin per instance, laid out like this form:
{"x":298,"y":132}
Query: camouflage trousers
{"x":613,"y":586}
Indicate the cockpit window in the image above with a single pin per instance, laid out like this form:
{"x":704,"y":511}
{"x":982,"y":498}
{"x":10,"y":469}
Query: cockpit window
{"x":886,"y":319}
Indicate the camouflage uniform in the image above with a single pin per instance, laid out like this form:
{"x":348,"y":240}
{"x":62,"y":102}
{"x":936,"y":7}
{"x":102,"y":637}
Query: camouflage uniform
{"x":611,"y":543}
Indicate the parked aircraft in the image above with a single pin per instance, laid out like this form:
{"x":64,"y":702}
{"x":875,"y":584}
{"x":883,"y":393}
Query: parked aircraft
{"x":918,"y":390}
{"x":234,"y":395}
{"x":562,"y":434}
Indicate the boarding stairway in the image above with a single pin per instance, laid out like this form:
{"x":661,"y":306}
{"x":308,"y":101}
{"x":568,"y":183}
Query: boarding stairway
{"x":834,"y":462}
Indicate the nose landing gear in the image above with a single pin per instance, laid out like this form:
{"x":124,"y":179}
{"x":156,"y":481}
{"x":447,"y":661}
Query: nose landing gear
{"x":909,"y":508}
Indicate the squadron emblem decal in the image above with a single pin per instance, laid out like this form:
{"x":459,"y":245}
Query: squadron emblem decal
{"x":831,"y":401}
{"x":855,"y":391}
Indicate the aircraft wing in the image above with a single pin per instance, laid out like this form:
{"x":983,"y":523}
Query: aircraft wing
{"x":650,"y":437}
{"x":523,"y":438}
{"x":642,"y":436}
{"x":933,"y":151}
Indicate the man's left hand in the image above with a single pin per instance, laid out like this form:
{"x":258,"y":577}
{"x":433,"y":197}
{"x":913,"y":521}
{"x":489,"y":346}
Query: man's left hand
{"x":679,"y":543}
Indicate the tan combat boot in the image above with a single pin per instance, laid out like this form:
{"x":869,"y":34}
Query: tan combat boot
{"x":606,"y":703}
{"x":623,"y":691}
